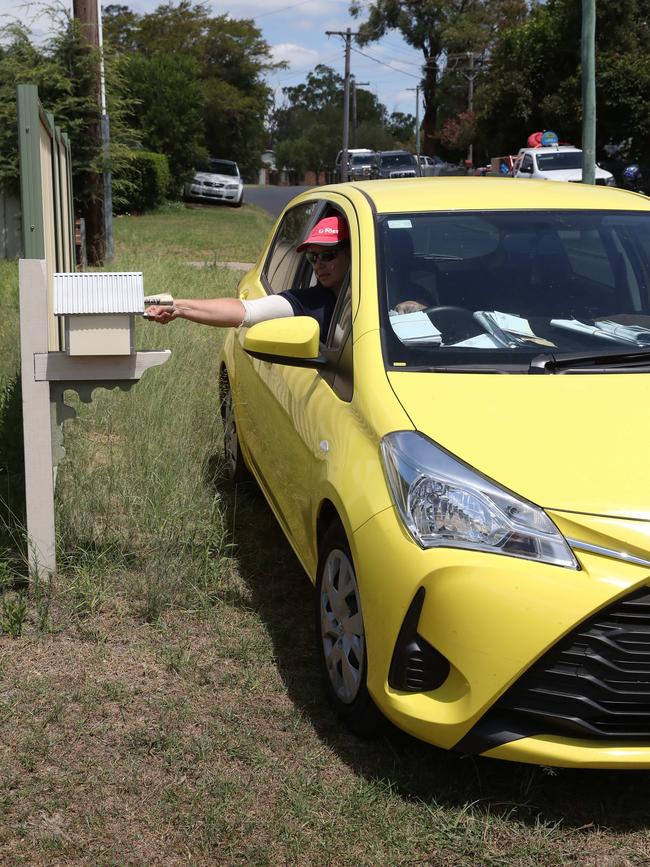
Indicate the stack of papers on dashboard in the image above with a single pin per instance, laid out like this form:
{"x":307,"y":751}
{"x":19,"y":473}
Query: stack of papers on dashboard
{"x":415,"y":328}
{"x":630,"y":333}
{"x":634,"y":334}
{"x":509,"y":322}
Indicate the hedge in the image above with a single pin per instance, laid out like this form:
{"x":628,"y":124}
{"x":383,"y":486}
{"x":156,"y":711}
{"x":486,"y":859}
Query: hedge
{"x":145,"y":184}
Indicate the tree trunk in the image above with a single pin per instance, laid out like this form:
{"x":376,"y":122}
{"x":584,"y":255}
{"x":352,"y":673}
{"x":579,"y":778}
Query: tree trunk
{"x":429,"y":92}
{"x":85,"y":12}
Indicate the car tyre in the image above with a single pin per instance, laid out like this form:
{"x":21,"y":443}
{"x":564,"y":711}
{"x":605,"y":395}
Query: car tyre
{"x":239,"y":203}
{"x":341,"y":636}
{"x":236,"y":469}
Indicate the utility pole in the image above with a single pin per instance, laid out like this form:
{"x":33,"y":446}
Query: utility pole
{"x":469,"y":65}
{"x":106,"y":138}
{"x":354,"y":84}
{"x":86,"y":13}
{"x":417,"y":118}
{"x":347,"y":35}
{"x":588,"y":52}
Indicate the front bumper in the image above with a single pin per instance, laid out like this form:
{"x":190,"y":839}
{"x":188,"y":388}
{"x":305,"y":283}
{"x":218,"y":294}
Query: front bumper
{"x":492,"y":618}
{"x":201,"y":192}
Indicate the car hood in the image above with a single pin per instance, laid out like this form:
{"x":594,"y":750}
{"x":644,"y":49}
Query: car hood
{"x":216,"y":179}
{"x":572,"y":174}
{"x":577,"y":443}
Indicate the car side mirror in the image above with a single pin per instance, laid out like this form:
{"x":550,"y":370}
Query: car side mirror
{"x":291,"y":340}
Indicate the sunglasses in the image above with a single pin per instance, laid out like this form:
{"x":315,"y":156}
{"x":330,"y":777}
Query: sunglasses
{"x":325,"y":256}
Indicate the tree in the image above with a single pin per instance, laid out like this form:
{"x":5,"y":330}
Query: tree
{"x":60,"y":70}
{"x":223,"y":58}
{"x":534,"y":79}
{"x":308,"y":127}
{"x":169,"y":110}
{"x":437,"y":28}
{"x":401,"y":127}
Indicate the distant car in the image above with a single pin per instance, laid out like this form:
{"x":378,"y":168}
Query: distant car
{"x":395,"y":164}
{"x":358,"y":158}
{"x":555,"y":163}
{"x":430,"y":166}
{"x":437,"y":167}
{"x":361,"y":166}
{"x":220,"y":182}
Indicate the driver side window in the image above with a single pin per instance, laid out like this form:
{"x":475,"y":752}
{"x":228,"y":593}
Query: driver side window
{"x":527,"y":165}
{"x":283,"y":263}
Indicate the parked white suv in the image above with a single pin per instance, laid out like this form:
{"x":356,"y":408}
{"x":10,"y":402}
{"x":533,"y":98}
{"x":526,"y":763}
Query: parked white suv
{"x":221,"y":182}
{"x":555,"y":163}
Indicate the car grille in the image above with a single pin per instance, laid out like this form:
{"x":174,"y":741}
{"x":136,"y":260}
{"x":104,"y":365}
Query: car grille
{"x":594,"y":683}
{"x":212,"y":184}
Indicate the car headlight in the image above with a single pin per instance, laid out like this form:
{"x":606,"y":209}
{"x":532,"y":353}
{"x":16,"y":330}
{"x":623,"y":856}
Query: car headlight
{"x":232,"y":186}
{"x":444,"y":502}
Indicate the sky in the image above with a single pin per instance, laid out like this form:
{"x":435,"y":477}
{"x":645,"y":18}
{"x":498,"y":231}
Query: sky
{"x":295,"y":30}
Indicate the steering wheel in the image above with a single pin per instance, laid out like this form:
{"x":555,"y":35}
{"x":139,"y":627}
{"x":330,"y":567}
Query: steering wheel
{"x":456,"y":323}
{"x":447,"y":308}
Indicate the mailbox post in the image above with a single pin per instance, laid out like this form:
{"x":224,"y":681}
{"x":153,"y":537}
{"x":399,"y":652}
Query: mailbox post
{"x":76,"y":330}
{"x":47,"y":374}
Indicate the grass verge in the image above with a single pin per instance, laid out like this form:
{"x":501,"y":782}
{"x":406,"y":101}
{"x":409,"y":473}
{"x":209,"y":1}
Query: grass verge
{"x":160,"y":705}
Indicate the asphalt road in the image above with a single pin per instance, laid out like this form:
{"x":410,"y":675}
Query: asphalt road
{"x":271,"y":198}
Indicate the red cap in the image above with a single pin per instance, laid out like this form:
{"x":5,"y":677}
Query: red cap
{"x":327,"y":232}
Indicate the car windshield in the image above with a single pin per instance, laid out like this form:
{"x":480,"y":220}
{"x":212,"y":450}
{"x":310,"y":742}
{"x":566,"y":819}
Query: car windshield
{"x":361,"y":160}
{"x":499,"y":288}
{"x":555,"y":162}
{"x":392,"y":160}
{"x":223,"y":167}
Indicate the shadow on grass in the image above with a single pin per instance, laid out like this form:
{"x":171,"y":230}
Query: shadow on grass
{"x":283,"y":597}
{"x":12,"y":475}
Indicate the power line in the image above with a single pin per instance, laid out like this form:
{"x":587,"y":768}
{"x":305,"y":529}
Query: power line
{"x":301,"y":70}
{"x":400,"y":49}
{"x":396,"y":60}
{"x":284,"y":8}
{"x":381,"y":63}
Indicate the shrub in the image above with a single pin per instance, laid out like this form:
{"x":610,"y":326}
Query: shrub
{"x":145,"y":184}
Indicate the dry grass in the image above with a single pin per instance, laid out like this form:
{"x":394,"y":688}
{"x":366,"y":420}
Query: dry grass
{"x":161,"y":704}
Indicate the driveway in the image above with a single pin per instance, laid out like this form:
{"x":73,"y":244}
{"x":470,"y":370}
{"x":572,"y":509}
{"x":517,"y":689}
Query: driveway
{"x":271,"y":198}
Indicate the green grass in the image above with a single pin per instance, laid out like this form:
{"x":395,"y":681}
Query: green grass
{"x":9,"y":345}
{"x":160,"y":703}
{"x":194,"y":232}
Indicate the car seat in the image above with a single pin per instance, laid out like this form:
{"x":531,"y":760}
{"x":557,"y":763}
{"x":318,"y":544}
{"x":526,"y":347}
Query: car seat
{"x":407,"y":277}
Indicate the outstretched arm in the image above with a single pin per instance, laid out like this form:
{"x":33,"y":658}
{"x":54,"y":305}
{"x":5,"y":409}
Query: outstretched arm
{"x":223,"y":312}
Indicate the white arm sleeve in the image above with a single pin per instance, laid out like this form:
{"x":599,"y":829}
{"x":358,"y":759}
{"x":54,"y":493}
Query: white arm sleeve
{"x":261,"y":309}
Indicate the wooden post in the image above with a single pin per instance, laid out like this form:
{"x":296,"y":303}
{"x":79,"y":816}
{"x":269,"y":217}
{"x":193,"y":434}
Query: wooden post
{"x":37,"y":427}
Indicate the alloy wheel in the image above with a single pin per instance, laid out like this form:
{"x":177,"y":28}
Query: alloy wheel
{"x":342,"y":632}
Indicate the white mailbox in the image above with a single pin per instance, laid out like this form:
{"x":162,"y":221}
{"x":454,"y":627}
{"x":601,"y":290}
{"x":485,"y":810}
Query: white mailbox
{"x":99,"y":311}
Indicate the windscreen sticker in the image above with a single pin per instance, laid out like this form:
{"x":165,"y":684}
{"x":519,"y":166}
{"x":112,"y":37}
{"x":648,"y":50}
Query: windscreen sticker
{"x":399,"y":224}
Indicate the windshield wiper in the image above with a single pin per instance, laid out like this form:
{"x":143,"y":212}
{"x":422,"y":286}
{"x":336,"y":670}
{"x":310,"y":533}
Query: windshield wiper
{"x":591,"y":362}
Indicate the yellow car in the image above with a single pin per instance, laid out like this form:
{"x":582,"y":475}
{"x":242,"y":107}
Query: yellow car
{"x":467,"y":484}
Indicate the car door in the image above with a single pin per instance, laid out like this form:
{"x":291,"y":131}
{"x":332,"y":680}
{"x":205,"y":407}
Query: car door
{"x":295,"y":412}
{"x":278,"y":274}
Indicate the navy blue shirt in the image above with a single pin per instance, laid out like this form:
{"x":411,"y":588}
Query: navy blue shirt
{"x":315,"y":301}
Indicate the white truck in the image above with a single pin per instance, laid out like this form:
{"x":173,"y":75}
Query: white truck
{"x":555,"y":163}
